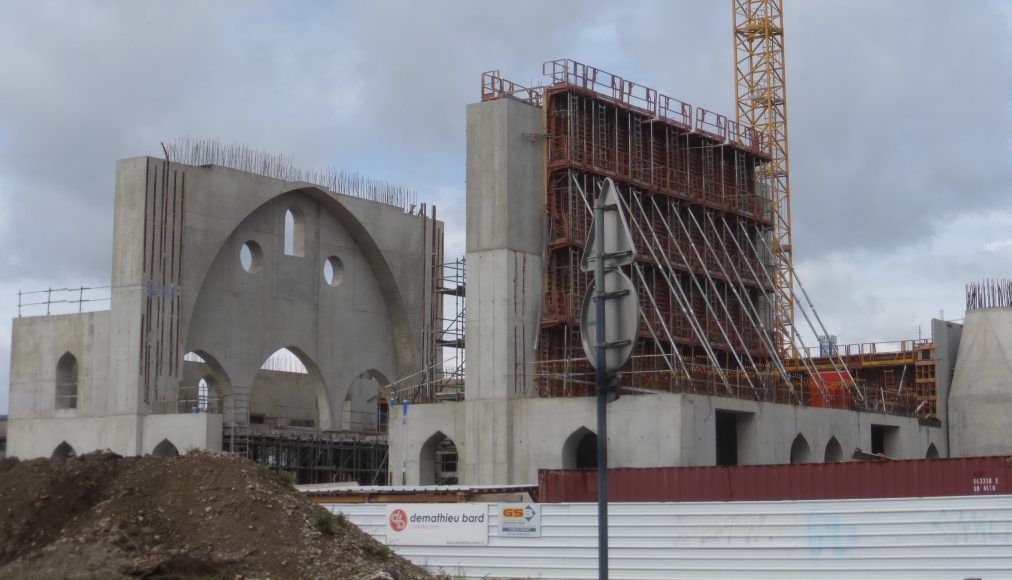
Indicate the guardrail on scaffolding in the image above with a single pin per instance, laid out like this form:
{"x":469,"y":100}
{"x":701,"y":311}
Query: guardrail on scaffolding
{"x":62,"y":300}
{"x":566,"y":72}
{"x":871,"y":352}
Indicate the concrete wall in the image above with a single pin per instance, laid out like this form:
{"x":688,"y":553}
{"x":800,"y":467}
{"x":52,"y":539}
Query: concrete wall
{"x":178,"y":286}
{"x":339,"y":332}
{"x":280,"y":397}
{"x":980,"y":401}
{"x":37,"y":343}
{"x":505,"y":245}
{"x":185,"y":432}
{"x":423,"y":422}
{"x":31,"y":438}
{"x":772,"y":428}
{"x":654,"y":430}
{"x":946,"y":337}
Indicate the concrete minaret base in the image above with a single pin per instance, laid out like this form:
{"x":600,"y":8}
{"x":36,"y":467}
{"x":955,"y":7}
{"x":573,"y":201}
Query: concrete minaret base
{"x":980,"y":402}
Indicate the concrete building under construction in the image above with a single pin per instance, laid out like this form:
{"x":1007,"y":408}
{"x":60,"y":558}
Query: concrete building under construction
{"x":253,"y":307}
{"x":299,"y":318}
{"x":709,"y":381}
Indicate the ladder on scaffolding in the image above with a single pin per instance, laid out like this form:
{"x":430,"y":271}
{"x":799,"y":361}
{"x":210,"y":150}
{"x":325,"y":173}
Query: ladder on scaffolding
{"x":238,"y":428}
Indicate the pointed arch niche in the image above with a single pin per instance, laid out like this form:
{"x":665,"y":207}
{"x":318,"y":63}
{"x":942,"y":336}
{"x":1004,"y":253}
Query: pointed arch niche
{"x":165,"y":449}
{"x":64,"y":451}
{"x":295,"y":232}
{"x":834,"y":453}
{"x":437,"y":461}
{"x":800,"y":452}
{"x":66,"y":382}
{"x":580,"y":450}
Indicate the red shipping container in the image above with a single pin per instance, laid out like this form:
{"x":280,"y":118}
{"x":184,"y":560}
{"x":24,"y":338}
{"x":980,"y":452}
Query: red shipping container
{"x":849,"y":480}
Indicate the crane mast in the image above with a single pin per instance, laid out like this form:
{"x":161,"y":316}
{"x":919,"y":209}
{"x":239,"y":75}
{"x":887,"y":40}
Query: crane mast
{"x":761,"y":102}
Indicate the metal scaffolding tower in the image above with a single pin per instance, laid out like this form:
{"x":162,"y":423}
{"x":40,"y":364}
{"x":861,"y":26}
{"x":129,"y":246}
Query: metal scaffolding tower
{"x":761,"y":97}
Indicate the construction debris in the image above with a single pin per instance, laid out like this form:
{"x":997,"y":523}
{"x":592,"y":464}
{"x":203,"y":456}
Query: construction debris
{"x":199,"y":515}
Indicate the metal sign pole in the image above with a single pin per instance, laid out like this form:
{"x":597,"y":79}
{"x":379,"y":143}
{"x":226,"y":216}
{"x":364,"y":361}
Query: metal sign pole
{"x":609,"y":246}
{"x":602,"y":415}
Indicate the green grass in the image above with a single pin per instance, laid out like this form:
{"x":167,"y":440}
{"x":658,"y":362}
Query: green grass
{"x":324,"y":521}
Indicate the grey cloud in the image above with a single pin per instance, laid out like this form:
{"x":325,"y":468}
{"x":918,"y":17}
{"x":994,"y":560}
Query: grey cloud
{"x":899,"y":109}
{"x":895,"y":126}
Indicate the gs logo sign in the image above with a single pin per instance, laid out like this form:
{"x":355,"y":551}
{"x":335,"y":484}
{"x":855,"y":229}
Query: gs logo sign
{"x":513,"y":513}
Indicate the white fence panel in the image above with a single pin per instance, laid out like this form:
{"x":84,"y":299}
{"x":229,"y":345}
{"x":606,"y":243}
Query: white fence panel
{"x":954,"y":538}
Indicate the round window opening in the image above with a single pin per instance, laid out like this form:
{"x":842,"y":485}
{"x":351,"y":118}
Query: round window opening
{"x":333,"y":271}
{"x":251,"y":257}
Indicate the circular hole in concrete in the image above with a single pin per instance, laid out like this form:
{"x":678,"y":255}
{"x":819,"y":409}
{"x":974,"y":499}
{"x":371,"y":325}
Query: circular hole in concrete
{"x":251,"y":257}
{"x":333,"y":271}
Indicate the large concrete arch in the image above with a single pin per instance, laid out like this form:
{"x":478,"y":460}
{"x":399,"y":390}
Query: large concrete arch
{"x":304,"y":303}
{"x":382,"y":269}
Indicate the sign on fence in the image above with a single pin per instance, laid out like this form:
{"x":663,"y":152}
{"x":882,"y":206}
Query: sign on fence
{"x":437,"y":524}
{"x":520,"y":520}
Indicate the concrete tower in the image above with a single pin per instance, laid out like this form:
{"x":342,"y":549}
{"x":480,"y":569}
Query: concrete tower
{"x":980,"y":403}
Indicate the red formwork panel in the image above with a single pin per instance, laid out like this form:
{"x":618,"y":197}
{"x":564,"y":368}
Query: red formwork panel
{"x":849,"y":480}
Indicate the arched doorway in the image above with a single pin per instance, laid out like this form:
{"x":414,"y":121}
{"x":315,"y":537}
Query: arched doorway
{"x":932,"y":452}
{"x":289,"y":392}
{"x":204,"y":386}
{"x":800,"y":452}
{"x":580,"y":450}
{"x":834,"y":453}
{"x":365,"y":405}
{"x":64,"y":451}
{"x":437,"y":461}
{"x":165,"y":449}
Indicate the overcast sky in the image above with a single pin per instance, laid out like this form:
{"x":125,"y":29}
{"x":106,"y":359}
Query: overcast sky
{"x":899,"y":120}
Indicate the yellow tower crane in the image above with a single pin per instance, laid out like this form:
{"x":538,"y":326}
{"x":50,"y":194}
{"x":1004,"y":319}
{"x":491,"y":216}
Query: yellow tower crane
{"x":761,"y":97}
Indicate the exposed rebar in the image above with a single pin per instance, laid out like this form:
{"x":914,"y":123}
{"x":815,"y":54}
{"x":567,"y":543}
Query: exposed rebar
{"x":989,"y":293}
{"x":239,"y":156}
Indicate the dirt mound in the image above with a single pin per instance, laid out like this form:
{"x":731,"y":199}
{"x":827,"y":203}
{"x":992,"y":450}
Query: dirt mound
{"x":202,"y":515}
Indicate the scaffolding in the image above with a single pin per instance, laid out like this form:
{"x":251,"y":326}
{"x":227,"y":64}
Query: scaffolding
{"x":441,"y":377}
{"x":316,"y":457}
{"x":709,"y":270}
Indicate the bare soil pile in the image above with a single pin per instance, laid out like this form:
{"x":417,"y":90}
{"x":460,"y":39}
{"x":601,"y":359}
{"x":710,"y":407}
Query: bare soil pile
{"x":202,"y":515}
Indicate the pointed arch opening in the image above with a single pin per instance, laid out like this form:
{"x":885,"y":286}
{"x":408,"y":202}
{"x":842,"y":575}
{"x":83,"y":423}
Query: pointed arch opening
{"x":64,"y":451}
{"x":437,"y":461}
{"x":205,"y":386}
{"x":932,"y":452}
{"x":289,"y":392}
{"x":165,"y":449}
{"x":834,"y":452}
{"x":66,"y":382}
{"x":800,"y":452}
{"x":580,"y":450}
{"x":364,"y":408}
{"x":295,"y":232}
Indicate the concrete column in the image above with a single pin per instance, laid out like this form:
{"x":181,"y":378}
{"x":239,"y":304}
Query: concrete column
{"x":980,"y":401}
{"x":505,"y":248}
{"x":123,"y":396}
